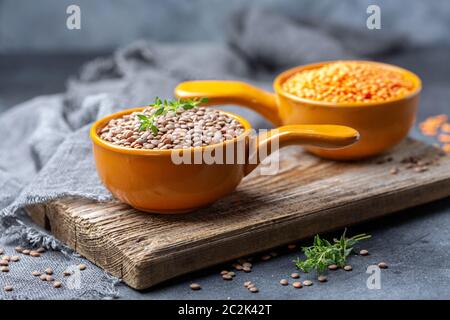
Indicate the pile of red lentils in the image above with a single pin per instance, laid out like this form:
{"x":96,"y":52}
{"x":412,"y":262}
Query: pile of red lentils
{"x":439,"y":127}
{"x":349,"y":82}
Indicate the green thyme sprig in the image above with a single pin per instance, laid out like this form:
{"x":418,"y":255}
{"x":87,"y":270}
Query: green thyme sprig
{"x":163,"y":107}
{"x":324,"y":253}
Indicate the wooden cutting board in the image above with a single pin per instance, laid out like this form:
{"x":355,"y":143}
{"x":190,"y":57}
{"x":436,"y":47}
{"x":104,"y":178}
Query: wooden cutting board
{"x":308,"y":196}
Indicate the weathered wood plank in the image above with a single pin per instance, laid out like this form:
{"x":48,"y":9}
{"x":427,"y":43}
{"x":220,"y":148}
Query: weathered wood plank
{"x":308,"y":196}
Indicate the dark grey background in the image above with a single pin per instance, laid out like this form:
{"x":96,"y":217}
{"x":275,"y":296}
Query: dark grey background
{"x":38,"y":54}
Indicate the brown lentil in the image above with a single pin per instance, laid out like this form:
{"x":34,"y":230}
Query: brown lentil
{"x":196,"y":127}
{"x":18,"y":249}
{"x":247,"y":269}
{"x":8,"y":288}
{"x":295,"y":275}
{"x":49,"y":271}
{"x":223,"y":272}
{"x":253,"y":289}
{"x":364,"y":252}
{"x":26,"y":251}
{"x":35,"y":254}
{"x":348,"y":268}
{"x":332,"y":267}
{"x":297,"y":285}
{"x":227,"y":277}
{"x":67,"y":273}
{"x":307,"y":283}
{"x":43,"y":277}
{"x":57,"y":284}
{"x":284,"y":282}
{"x":382,"y":265}
{"x":247,"y":264}
{"x":49,"y":278}
{"x":15,"y":258}
{"x":6,"y":258}
{"x":195,"y":286}
{"x":40,"y":250}
{"x":247,"y":283}
{"x":4,"y":269}
{"x":4,"y":263}
{"x":36,"y":273}
{"x":349,"y":82}
{"x":82,"y":266}
{"x":322,"y":278}
{"x":238,"y":267}
{"x":266,"y":257}
{"x":231,"y":273}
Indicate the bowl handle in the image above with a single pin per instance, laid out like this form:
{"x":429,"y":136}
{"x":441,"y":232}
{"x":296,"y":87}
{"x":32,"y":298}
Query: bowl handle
{"x":232,"y":92}
{"x":324,"y":136}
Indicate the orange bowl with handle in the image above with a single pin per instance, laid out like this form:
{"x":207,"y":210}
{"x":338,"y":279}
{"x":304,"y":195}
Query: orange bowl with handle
{"x":381,"y":125}
{"x":151,"y":181}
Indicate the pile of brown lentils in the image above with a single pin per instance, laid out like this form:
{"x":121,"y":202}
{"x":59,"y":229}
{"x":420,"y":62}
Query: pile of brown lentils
{"x":196,"y":127}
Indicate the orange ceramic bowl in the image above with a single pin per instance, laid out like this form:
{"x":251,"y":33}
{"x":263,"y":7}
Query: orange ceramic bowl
{"x":382,"y":125}
{"x":150,"y":181}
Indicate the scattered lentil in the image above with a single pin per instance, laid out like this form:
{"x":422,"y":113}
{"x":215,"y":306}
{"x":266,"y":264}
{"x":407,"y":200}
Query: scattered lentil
{"x":43,"y":277}
{"x":49,"y":278}
{"x":307,"y":283}
{"x":247,"y":264}
{"x":238,"y":267}
{"x":266,"y":257}
{"x":36,"y":273}
{"x":349,"y":82}
{"x":35,"y":254}
{"x":196,"y":127}
{"x":195,"y":286}
{"x":247,"y":269}
{"x":4,"y":269}
{"x":322,"y":278}
{"x":8,"y":288}
{"x":247,"y":283}
{"x":18,"y":249}
{"x":82,"y":266}
{"x":253,"y":289}
{"x":382,"y":265}
{"x":223,"y":272}
{"x":40,"y":250}
{"x":333,"y":267}
{"x":15,"y":258}
{"x":49,"y":271}
{"x":364,"y":252}
{"x":348,"y":268}
{"x":297,"y":285}
{"x":57,"y":284}
{"x":284,"y":282}
{"x":394,"y":171}
{"x":26,"y":251}
{"x":227,"y":277}
{"x":4,"y":263}
{"x":67,"y":273}
{"x":231,"y":273}
{"x":295,"y":275}
{"x":6,"y":258}
{"x":292,"y":246}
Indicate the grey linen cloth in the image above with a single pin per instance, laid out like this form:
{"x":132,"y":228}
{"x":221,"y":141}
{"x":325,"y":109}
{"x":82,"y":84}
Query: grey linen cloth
{"x":45,"y":150}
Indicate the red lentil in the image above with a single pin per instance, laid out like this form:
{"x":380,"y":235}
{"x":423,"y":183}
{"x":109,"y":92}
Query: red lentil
{"x":349,"y":82}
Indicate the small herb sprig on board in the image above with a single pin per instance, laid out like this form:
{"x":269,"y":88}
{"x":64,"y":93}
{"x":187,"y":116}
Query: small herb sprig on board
{"x":165,"y":106}
{"x":324,"y":253}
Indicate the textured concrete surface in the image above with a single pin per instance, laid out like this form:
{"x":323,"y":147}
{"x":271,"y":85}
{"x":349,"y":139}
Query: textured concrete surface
{"x":415,"y":243}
